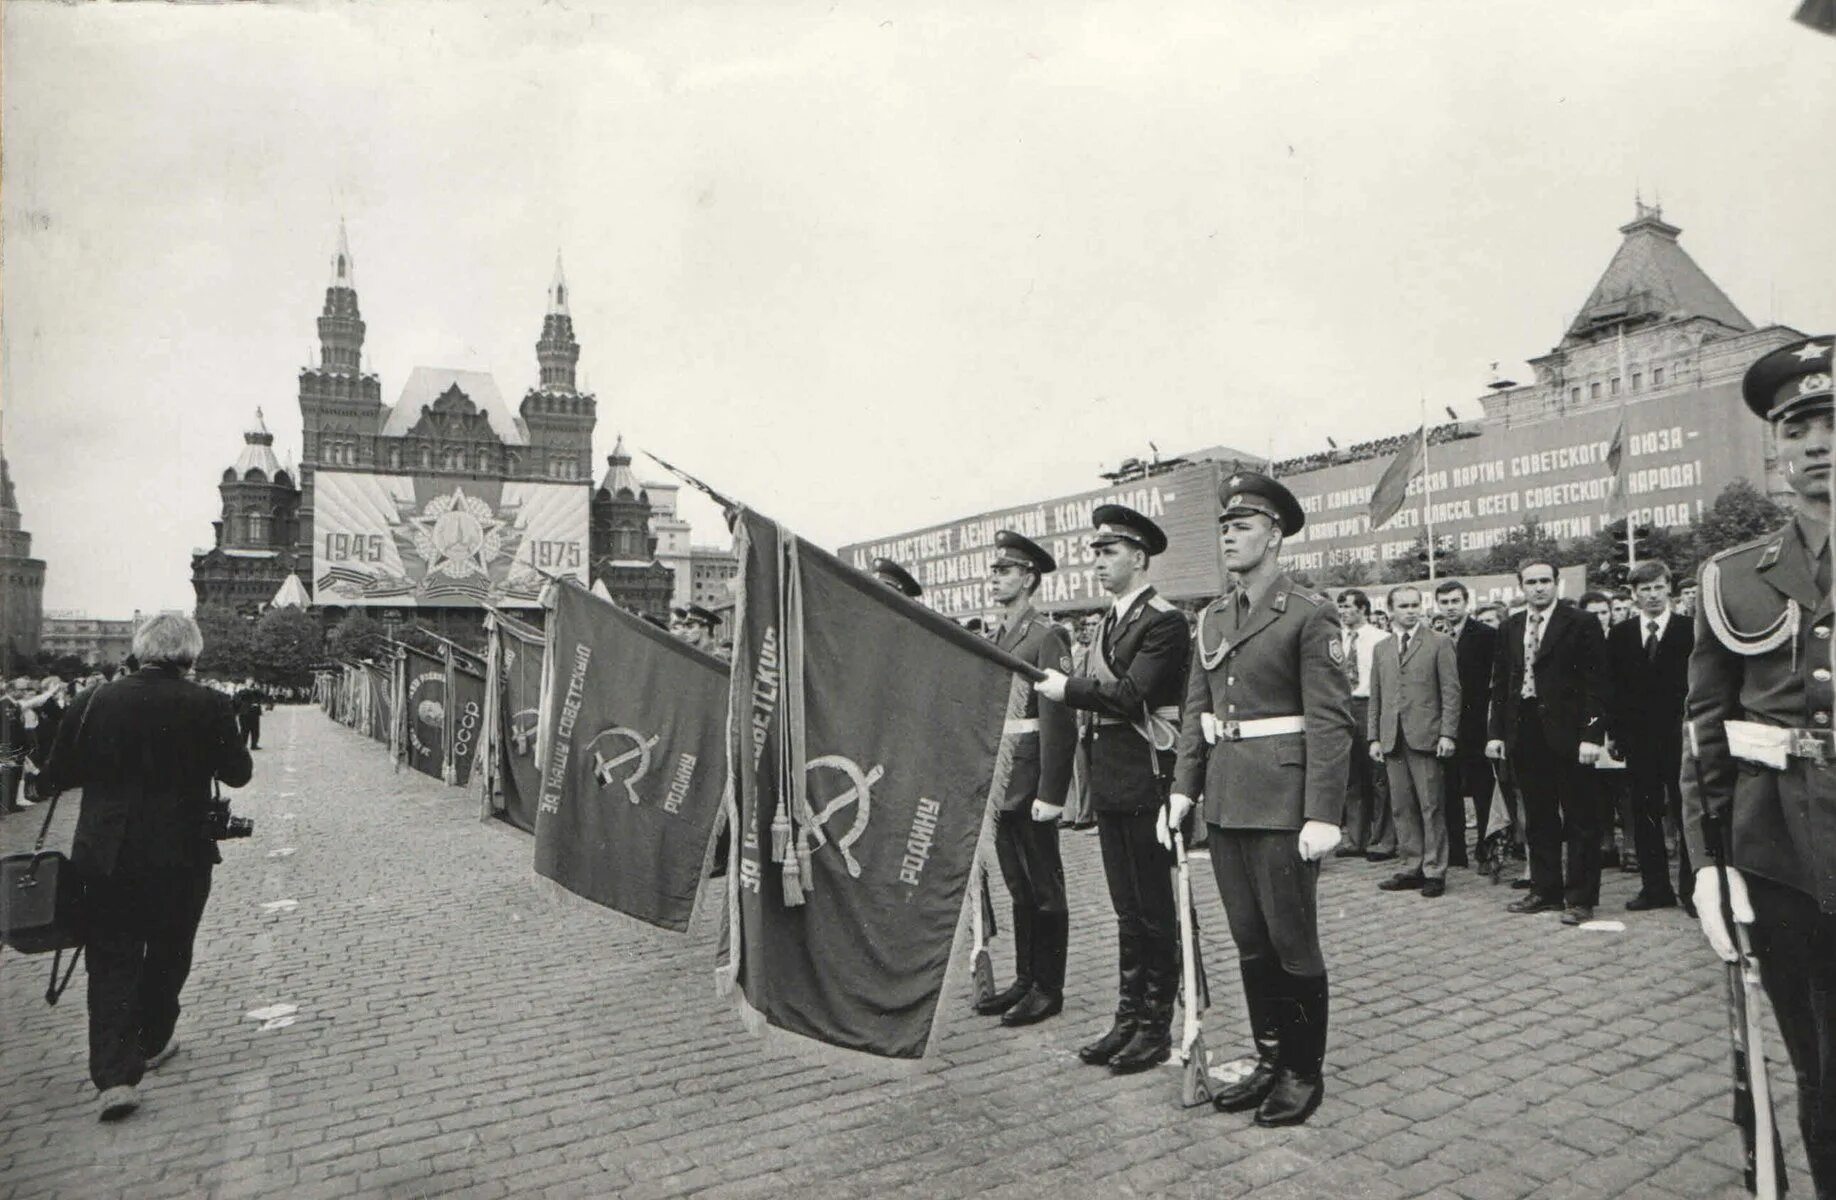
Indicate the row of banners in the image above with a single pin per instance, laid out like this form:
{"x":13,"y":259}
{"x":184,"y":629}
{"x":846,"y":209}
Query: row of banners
{"x":856,"y":785}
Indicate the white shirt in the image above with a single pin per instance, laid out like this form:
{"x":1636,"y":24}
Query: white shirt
{"x":1536,"y":624}
{"x":1644,"y":626}
{"x":1365,"y":638}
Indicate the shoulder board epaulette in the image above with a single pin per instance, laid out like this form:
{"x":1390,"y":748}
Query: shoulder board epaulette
{"x":1768,"y":546}
{"x":1160,"y":603}
{"x":1784,"y":628}
{"x":1314,"y":598}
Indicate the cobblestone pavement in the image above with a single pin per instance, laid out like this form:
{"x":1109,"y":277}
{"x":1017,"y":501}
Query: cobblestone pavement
{"x":457,"y":1032}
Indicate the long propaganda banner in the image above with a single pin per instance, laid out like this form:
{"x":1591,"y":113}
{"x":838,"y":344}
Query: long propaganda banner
{"x":631,"y":787}
{"x":951,"y":560}
{"x":406,"y":540}
{"x":865,"y":745}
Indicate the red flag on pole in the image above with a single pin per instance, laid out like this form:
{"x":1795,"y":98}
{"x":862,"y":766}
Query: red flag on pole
{"x":865,"y":743}
{"x":635,"y":765}
{"x":1387,"y":497}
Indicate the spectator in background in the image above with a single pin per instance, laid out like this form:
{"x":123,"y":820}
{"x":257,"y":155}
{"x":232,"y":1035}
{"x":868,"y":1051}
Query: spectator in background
{"x":1648,"y":662}
{"x":1078,"y":813}
{"x":1686,"y":597}
{"x":1620,"y":606}
{"x":1469,"y":773}
{"x":1413,"y":726}
{"x":1381,"y":620}
{"x":1616,"y":817}
{"x":249,"y":701}
{"x":1369,"y":830}
{"x":13,"y":744}
{"x":1491,"y":614}
{"x":1599,"y":606}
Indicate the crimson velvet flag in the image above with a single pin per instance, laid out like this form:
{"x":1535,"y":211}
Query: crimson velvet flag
{"x":866,"y":744}
{"x":634,"y":762}
{"x":520,"y":661}
{"x":426,"y":713}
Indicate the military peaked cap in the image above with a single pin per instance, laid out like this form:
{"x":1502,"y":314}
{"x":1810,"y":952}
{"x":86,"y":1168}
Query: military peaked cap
{"x":1015,"y":550}
{"x":1119,"y":523}
{"x":1790,"y":379}
{"x":896,"y":577}
{"x":1247,"y":492}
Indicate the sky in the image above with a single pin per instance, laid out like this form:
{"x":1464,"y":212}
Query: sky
{"x":865,"y":267}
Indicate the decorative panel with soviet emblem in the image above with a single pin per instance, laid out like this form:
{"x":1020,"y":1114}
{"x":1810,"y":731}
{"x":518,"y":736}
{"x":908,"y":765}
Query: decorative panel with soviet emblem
{"x":409,"y":540}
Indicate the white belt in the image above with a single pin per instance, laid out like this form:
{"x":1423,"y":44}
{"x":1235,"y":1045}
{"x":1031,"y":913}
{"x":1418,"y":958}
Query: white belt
{"x":1019,"y":725}
{"x":1217,"y":729}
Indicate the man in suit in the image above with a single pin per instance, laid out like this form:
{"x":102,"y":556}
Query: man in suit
{"x":1759,"y":786}
{"x":1265,"y":744}
{"x":1415,"y":719}
{"x":144,"y":749}
{"x":1469,"y":772}
{"x":1132,"y":688}
{"x":1026,"y":824}
{"x":1648,"y":665}
{"x":249,"y":700}
{"x":1369,"y":831}
{"x":1548,"y":719}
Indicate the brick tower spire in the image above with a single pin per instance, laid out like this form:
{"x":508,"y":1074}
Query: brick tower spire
{"x":556,"y":351}
{"x":340,"y":324}
{"x":557,"y":414}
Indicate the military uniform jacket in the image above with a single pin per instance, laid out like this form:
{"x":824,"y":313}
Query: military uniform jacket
{"x":1776,"y":672}
{"x":1042,"y":759}
{"x":1146,"y":650}
{"x":1285,"y":660}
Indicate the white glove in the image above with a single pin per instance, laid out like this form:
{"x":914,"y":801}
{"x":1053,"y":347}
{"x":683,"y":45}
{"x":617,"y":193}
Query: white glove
{"x":1208,"y":726}
{"x":1589,"y":753}
{"x":1052,"y":687}
{"x":1317,"y":840}
{"x":1172,"y":817}
{"x":1047,"y":812}
{"x":1708,"y":908}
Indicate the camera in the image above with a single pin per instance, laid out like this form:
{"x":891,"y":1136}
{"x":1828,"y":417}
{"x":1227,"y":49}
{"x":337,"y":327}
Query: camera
{"x":220,"y":826}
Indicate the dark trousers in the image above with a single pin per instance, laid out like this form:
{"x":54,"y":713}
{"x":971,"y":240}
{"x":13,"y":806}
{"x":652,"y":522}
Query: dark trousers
{"x":1270,"y":897}
{"x":11,"y":772}
{"x":1652,"y":777}
{"x":1561,"y":812}
{"x":1367,"y":822}
{"x":141,"y":923}
{"x":1466,"y":775}
{"x":1139,"y":871}
{"x":1035,"y":875}
{"x":1796,"y":948}
{"x":251,"y":729}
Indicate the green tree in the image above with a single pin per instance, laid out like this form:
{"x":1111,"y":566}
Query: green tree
{"x":356,"y":635}
{"x":1740,"y":514}
{"x":1348,"y":572}
{"x":228,"y":642}
{"x":286,"y":644}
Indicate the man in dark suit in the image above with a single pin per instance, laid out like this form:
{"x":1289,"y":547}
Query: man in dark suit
{"x":1026,"y":824}
{"x":1548,"y":718}
{"x":249,"y":700}
{"x":1265,"y":745}
{"x":1648,"y":664}
{"x":1132,"y":686}
{"x":1414,"y":718}
{"x":1470,"y":771}
{"x":144,"y":749}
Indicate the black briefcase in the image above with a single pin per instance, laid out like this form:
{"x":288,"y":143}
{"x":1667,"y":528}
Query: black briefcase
{"x":41,"y":905}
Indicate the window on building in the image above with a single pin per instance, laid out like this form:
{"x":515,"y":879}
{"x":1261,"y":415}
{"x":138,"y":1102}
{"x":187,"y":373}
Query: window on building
{"x":1657,"y":376}
{"x":1613,"y":385}
{"x":1593,"y":391}
{"x":1637,"y":379}
{"x":1574,"y":395}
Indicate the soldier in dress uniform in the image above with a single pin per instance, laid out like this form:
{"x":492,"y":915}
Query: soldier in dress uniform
{"x":1026,"y":824}
{"x":1265,"y":745}
{"x":1131,"y":686}
{"x":695,"y":625}
{"x":896,"y":577}
{"x":1760,"y":795}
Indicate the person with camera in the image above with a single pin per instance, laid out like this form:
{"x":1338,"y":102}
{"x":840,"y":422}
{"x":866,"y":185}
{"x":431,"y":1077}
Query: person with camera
{"x":145,"y":749}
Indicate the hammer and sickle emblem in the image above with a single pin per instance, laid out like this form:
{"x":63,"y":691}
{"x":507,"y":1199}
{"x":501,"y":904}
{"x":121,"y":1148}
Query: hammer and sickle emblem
{"x":858,"y":793}
{"x":605,"y":769}
{"x":522,"y":732}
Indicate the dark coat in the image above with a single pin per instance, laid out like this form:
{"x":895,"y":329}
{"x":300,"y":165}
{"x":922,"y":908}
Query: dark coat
{"x":1474,"y":652}
{"x":1042,"y":760}
{"x":144,"y":749}
{"x":1782,"y":823}
{"x":1571,"y":680}
{"x":1147,"y":650}
{"x":1286,"y":661}
{"x":1646,"y":717}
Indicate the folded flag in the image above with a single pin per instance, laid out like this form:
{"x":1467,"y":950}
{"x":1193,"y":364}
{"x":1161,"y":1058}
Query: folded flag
{"x":865,"y":744}
{"x":634,"y":763}
{"x":1387,"y":498}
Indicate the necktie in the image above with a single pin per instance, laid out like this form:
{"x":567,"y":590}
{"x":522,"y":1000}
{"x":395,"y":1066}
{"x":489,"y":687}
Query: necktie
{"x":1535,"y":622}
{"x":1651,"y":639}
{"x":1109,"y":627}
{"x":1351,"y":659}
{"x":1402,"y":650}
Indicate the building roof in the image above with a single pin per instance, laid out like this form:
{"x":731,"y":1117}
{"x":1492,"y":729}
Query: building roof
{"x":427,"y":384}
{"x":619,"y":475}
{"x":292,"y":594}
{"x":1651,"y":277}
{"x":258,"y":451}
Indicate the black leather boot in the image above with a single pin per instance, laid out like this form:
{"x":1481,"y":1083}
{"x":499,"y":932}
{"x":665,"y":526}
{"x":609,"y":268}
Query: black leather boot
{"x":1047,"y":998}
{"x":1099,"y":1052}
{"x":1299,"y":1087}
{"x":1265,"y":994}
{"x":1153,"y":1040}
{"x":1012,"y":994}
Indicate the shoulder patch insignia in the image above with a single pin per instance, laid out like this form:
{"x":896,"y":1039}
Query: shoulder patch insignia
{"x":1064,"y":664}
{"x":1335,"y":650}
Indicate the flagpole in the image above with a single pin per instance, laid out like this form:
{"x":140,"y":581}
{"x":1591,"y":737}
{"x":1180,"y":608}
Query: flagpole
{"x":1427,"y":488}
{"x":1625,"y":389}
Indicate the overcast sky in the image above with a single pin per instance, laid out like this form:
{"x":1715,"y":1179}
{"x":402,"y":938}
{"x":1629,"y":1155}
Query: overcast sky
{"x":865,"y":266}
